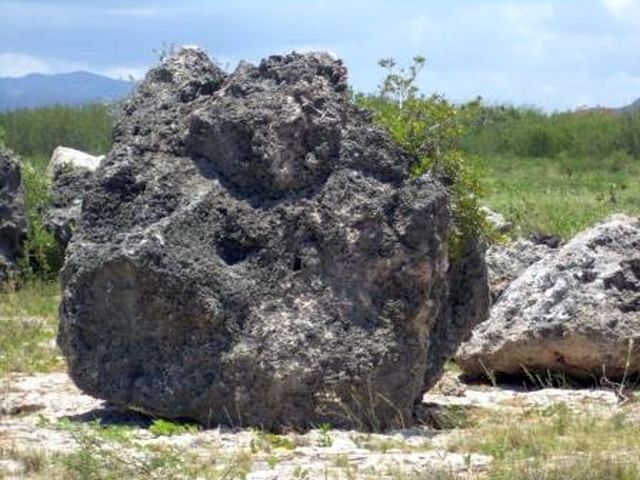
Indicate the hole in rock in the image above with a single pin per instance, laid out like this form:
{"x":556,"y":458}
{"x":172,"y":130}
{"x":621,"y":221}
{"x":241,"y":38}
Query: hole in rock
{"x":297,"y":264}
{"x":233,"y":251}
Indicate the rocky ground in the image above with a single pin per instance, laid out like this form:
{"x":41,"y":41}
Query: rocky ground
{"x":48,"y":428}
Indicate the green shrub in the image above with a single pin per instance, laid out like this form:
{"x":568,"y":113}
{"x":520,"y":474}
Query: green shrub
{"x":529,"y":132}
{"x":630,"y":134}
{"x":431,"y":129}
{"x":42,"y":255}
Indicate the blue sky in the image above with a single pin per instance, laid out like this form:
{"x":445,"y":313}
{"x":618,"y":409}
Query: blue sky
{"x":556,"y":53}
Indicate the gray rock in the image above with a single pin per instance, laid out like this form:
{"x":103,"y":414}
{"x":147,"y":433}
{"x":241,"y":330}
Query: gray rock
{"x":72,"y":172}
{"x":576,"y":311}
{"x":506,"y":262}
{"x":253,"y":252}
{"x":13,"y":222}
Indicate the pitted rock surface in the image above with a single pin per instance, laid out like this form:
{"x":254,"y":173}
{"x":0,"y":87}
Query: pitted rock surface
{"x":254,"y":252}
{"x":505,"y":263}
{"x":576,"y":311}
{"x":13,"y":222}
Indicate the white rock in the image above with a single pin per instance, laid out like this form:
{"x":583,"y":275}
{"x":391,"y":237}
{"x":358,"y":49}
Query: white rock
{"x":68,"y":158}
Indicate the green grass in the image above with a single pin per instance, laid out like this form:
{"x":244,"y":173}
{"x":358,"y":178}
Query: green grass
{"x":552,"y":443}
{"x":28,"y":325}
{"x":167,"y":428}
{"x":34,"y":134}
{"x":561,"y":196}
{"x":115,"y":452}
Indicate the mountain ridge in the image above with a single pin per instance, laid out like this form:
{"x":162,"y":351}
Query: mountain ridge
{"x":74,"y":88}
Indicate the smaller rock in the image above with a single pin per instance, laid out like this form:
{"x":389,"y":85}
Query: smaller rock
{"x":575,"y":312}
{"x":72,"y":171}
{"x":13,"y":222}
{"x":64,"y":159}
{"x":467,"y":305}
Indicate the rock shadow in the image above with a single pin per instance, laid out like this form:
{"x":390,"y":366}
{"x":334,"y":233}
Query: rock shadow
{"x":109,"y":415}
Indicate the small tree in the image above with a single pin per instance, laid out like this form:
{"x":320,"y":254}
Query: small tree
{"x":400,"y":86}
{"x":431,"y":129}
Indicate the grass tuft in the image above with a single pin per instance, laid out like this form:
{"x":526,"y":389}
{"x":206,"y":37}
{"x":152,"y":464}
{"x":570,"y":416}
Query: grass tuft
{"x":28,"y":322}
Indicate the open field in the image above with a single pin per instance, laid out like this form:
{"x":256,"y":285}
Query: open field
{"x":560,"y":196}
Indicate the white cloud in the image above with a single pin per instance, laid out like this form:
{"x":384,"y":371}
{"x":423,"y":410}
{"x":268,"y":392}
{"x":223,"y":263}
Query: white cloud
{"x":311,"y":49}
{"x":624,"y":10}
{"x":617,"y":7}
{"x":553,"y":53}
{"x":528,"y":22}
{"x":17,"y":65}
{"x":124,"y":73}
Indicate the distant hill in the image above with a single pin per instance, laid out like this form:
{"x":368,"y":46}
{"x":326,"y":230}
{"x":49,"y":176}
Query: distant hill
{"x":38,"y":90}
{"x":632,"y":108}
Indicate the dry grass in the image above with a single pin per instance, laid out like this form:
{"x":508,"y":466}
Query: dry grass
{"x":555,"y":443}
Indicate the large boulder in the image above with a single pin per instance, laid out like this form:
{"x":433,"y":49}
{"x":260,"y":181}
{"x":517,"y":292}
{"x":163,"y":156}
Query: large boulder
{"x":71,"y":173}
{"x":576,"y":311}
{"x":253,"y":252}
{"x":13,"y":222}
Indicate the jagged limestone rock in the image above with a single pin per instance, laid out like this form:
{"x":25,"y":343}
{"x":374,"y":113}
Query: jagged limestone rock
{"x":576,"y":311}
{"x":253,"y":252}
